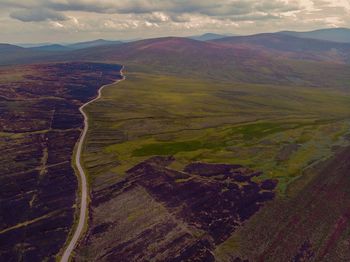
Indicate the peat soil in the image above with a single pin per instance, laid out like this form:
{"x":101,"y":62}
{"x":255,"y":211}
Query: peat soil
{"x":160,"y":214}
{"x":40,"y":124}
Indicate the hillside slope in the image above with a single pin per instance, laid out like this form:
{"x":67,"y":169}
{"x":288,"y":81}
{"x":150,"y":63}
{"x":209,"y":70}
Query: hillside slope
{"x":94,"y":43}
{"x":294,"y":47}
{"x":264,"y":58}
{"x":255,"y":59}
{"x":12,"y":54}
{"x":332,"y":34}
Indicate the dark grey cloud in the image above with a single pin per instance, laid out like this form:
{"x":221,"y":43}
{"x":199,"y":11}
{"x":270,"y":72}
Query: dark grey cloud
{"x":93,"y":6}
{"x":209,"y":7}
{"x":37,"y":15}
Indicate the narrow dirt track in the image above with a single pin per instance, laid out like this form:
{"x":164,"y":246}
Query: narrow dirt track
{"x":82,"y":179}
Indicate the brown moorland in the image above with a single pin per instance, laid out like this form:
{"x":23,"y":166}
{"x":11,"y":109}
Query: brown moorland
{"x":39,"y":127}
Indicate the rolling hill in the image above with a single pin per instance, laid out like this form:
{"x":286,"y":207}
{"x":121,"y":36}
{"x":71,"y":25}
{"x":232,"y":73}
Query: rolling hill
{"x":188,"y":57}
{"x":266,"y":58}
{"x":331,"y":34}
{"x":207,"y":37}
{"x":263,"y":58}
{"x":53,"y":48}
{"x":4,"y":48}
{"x":293,"y":47}
{"x":94,"y":43}
{"x":12,"y":54}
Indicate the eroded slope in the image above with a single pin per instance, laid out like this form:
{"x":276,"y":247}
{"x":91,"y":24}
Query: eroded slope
{"x":160,"y":214}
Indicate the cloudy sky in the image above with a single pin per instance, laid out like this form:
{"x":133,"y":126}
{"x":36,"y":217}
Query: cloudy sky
{"x":28,"y":21}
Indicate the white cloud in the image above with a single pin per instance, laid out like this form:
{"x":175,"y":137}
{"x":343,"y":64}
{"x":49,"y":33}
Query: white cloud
{"x":56,"y":24}
{"x":86,"y":19}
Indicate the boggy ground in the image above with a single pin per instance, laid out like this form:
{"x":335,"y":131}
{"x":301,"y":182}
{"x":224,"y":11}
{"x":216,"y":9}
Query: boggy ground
{"x":180,"y":215}
{"x":40,"y":123}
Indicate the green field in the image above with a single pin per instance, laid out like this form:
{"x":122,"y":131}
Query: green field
{"x":278,"y":130}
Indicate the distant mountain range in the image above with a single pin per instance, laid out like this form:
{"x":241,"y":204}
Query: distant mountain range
{"x":51,"y":47}
{"x":287,"y":46}
{"x":68,"y":47}
{"x":209,"y":36}
{"x":341,"y":35}
{"x":334,"y":34}
{"x":12,"y":54}
{"x":94,"y":43}
{"x":262,"y":58}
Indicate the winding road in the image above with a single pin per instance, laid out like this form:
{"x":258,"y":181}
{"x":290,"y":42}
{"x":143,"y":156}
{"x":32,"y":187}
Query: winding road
{"x":82,"y":177}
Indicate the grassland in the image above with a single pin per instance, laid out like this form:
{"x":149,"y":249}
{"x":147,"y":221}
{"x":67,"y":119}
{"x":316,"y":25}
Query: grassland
{"x":278,"y":130}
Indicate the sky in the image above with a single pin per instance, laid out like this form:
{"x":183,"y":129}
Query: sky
{"x":62,"y":21}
